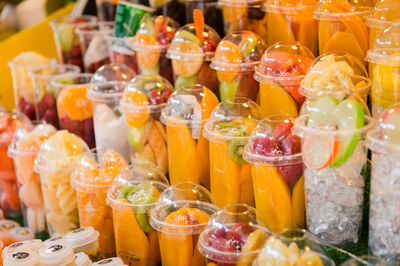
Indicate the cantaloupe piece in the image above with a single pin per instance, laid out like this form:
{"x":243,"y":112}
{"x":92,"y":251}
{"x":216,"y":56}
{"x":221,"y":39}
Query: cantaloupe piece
{"x":326,"y":29}
{"x":346,"y":42}
{"x":246,"y":185}
{"x":159,"y":147}
{"x":298,"y":204}
{"x":278,"y":28}
{"x":203,"y":161}
{"x":274,"y":99}
{"x":307,"y":32}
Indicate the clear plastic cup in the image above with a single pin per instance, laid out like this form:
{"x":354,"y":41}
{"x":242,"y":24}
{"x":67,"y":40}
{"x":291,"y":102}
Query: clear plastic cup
{"x":341,"y":27}
{"x":235,"y":59}
{"x":46,"y":108}
{"x":94,"y":45}
{"x":228,"y":131}
{"x":85,"y":239}
{"x":9,"y":123}
{"x":110,"y":262}
{"x":58,"y":254}
{"x":23,"y":149}
{"x":384,"y":59}
{"x":332,"y":128}
{"x":191,"y":57}
{"x":187,"y":111}
{"x":291,"y":21}
{"x":244,"y":15}
{"x":92,"y":178}
{"x":212,"y":13}
{"x":151,"y":44}
{"x":234,"y":236}
{"x":33,"y":244}
{"x":277,"y":170}
{"x":365,"y":260}
{"x":55,"y":163}
{"x":23,"y":257}
{"x":27,"y":96}
{"x":121,"y":51}
{"x":179,"y":216}
{"x":142,"y":103}
{"x":67,"y":41}
{"x":21,"y":234}
{"x":281,"y":69}
{"x":106,"y":9}
{"x":113,"y":72}
{"x":335,"y":71}
{"x":74,"y":109}
{"x":5,"y":227}
{"x":132,"y":196}
{"x":81,"y":259}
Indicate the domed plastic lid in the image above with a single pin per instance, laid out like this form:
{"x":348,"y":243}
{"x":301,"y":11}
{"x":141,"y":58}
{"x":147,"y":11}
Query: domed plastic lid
{"x":241,"y":3}
{"x":60,"y":152}
{"x":233,"y":120}
{"x":285,"y":63}
{"x":23,"y":257}
{"x":290,"y":7}
{"x":343,"y":9}
{"x":72,"y":80}
{"x":191,"y":44}
{"x":272,"y":142}
{"x":110,"y":262}
{"x":58,"y":254}
{"x":336,"y":71}
{"x":233,"y":235}
{"x":81,"y":259}
{"x":155,"y":33}
{"x":9,"y":123}
{"x":81,"y":237}
{"x":32,"y":244}
{"x":385,"y":13}
{"x":113,"y":72}
{"x":386,"y":49}
{"x":93,"y":28}
{"x":239,"y":51}
{"x":48,"y":72}
{"x":21,"y":233}
{"x":183,"y":208}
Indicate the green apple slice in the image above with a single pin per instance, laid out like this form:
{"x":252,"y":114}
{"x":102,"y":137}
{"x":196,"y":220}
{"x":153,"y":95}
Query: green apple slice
{"x":321,"y":112}
{"x":228,"y":89}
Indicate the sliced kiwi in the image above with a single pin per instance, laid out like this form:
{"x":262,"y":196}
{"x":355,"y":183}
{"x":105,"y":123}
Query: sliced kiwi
{"x":143,"y":220}
{"x":235,"y":152}
{"x":248,"y":45}
{"x":188,"y":36}
{"x":182,"y":81}
{"x":233,"y":129}
{"x":148,"y":83}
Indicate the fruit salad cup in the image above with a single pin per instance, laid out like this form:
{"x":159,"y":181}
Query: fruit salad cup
{"x":24,"y":149}
{"x":9,"y":200}
{"x":67,"y":41}
{"x":55,"y":164}
{"x":281,"y":69}
{"x":28,"y":97}
{"x":92,"y":178}
{"x":187,"y":111}
{"x":333,"y":128}
{"x":121,"y":51}
{"x":180,"y":214}
{"x":106,"y":9}
{"x":86,"y":239}
{"x":94,"y":45}
{"x":291,"y":21}
{"x":211,"y":10}
{"x":341,"y":27}
{"x":132,"y":196}
{"x":234,"y":236}
{"x":151,"y":44}
{"x":235,"y":59}
{"x":142,"y":102}
{"x":74,"y":109}
{"x":191,"y":51}
{"x":244,"y":15}
{"x":228,"y":131}
{"x":277,"y":171}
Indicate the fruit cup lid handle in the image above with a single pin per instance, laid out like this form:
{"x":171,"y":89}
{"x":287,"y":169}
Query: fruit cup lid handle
{"x":198,"y":23}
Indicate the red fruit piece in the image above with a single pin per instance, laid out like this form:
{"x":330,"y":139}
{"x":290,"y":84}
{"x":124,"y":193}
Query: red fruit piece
{"x":291,"y":173}
{"x":156,"y":97}
{"x":265,"y":146}
{"x":29,"y":110}
{"x":223,"y":244}
{"x":238,"y":234}
{"x":209,"y":46}
{"x":48,"y":101}
{"x":218,"y":233}
{"x":166,"y":94}
{"x":291,"y":145}
{"x":282,"y":131}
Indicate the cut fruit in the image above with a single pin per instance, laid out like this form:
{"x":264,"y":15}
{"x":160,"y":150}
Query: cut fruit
{"x":274,"y":99}
{"x":136,"y":118}
{"x":227,"y":89}
{"x":228,"y":53}
{"x":188,"y":36}
{"x":147,"y":59}
{"x":390,"y":131}
{"x":280,"y":29}
{"x":188,"y":64}
{"x":74,"y":103}
{"x":345,"y":42}
{"x":322,"y":111}
{"x":183,"y":81}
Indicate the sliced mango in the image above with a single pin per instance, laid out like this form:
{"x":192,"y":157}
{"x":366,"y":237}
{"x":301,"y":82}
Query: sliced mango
{"x":298,"y":204}
{"x":274,"y":99}
{"x":326,"y":29}
{"x":307,"y":33}
{"x":246,"y":185}
{"x":346,"y":42}
{"x":279,"y":29}
{"x":159,"y":147}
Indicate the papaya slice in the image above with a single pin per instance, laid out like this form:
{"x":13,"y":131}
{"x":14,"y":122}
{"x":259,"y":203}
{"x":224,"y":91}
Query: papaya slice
{"x":346,"y":42}
{"x":274,"y":99}
{"x":246,"y":185}
{"x":203,"y":161}
{"x":159,"y":147}
{"x":307,"y":32}
{"x":326,"y":29}
{"x":181,"y":252}
{"x":154,"y":249}
{"x":298,"y":204}
{"x":356,"y":26}
{"x":279,"y":29}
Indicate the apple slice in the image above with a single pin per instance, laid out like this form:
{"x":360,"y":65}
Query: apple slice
{"x":390,"y":126}
{"x":321,"y":112}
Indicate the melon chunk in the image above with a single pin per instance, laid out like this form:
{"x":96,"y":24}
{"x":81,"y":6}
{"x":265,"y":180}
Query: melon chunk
{"x":280,"y":29}
{"x":346,"y":42}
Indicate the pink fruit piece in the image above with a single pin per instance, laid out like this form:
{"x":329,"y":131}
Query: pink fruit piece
{"x":238,"y":234}
{"x":291,"y":173}
{"x":218,"y":233}
{"x":265,"y":146}
{"x":291,"y":145}
{"x":282,"y":130}
{"x":223,"y":244}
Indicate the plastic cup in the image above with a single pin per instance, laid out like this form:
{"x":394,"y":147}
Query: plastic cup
{"x":23,"y":149}
{"x":25,"y":257}
{"x":151,"y":44}
{"x":5,"y":227}
{"x":384,"y":60}
{"x":131,"y":197}
{"x":67,"y":41}
{"x":85,"y":239}
{"x":59,"y":254}
{"x":74,"y":109}
{"x":174,"y":9}
{"x":244,"y":15}
{"x":106,"y":9}
{"x":187,"y":111}
{"x":33,"y":244}
{"x":142,"y":102}
{"x":235,"y":59}
{"x":180,"y":214}
{"x":55,"y":163}
{"x":110,"y":262}
{"x":94,"y":45}
{"x":81,"y":259}
{"x":121,"y":51}
{"x":292,"y":21}
{"x":365,"y":260}
{"x":236,"y":222}
{"x":277,"y":171}
{"x":228,"y":131}
{"x":211,"y":11}
{"x":341,"y":27}
{"x":281,"y":69}
{"x":332,"y":128}
{"x":191,"y":57}
{"x":9,"y":123}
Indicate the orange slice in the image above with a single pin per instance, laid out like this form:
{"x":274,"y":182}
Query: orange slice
{"x":147,"y":59}
{"x":187,"y":216}
{"x":136,"y":117}
{"x":227,"y":52}
{"x":73,"y":102}
{"x":187,"y":66}
{"x":112,"y":158}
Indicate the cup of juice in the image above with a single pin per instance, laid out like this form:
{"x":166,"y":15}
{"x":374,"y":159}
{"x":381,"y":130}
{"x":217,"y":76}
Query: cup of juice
{"x":59,"y":254}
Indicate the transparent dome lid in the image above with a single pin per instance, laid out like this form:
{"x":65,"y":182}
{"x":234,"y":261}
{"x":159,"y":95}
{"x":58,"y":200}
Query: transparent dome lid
{"x":234,"y":234}
{"x":9,"y":123}
{"x":113,"y":72}
{"x":290,"y":7}
{"x":340,"y":9}
{"x":335,"y":71}
{"x":384,"y":14}
{"x":239,"y":51}
{"x":386,"y":49}
{"x":47,"y":72}
{"x":285,"y":63}
{"x":233,"y":120}
{"x":183,"y":208}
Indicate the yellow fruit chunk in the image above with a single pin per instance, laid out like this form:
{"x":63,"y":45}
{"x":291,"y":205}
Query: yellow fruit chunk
{"x":345,"y":42}
{"x":326,"y":29}
{"x":253,"y":243}
{"x":229,"y":53}
{"x":139,"y":116}
{"x":274,"y":99}
{"x":159,"y":147}
{"x":74,"y":103}
{"x":148,"y":58}
{"x":309,"y":258}
{"x":279,"y":29}
{"x":188,"y":64}
{"x":294,"y":253}
{"x":307,"y":32}
{"x":234,"y":13}
{"x":298,"y":204}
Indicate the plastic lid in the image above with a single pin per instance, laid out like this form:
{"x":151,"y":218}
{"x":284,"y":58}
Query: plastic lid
{"x":241,"y":3}
{"x":32,"y":244}
{"x":72,"y":80}
{"x":341,"y":9}
{"x":81,"y":259}
{"x":49,"y":72}
{"x":21,"y":233}
{"x":335,"y":71}
{"x":384,"y":14}
{"x":285,"y":63}
{"x":81,"y":237}
{"x":57,"y":254}
{"x":72,"y":21}
{"x":29,"y":60}
{"x":186,"y":45}
{"x":54,"y":240}
{"x":272,"y":143}
{"x":110,"y":262}
{"x":239,"y":51}
{"x":290,"y":7}
{"x":386,"y":49}
{"x":113,"y":72}
{"x":23,"y":257}
{"x":155,"y":33}
{"x":233,"y":120}
{"x":9,"y":123}
{"x":183,"y":208}
{"x":233,"y":235}
{"x":8,"y":224}
{"x":106,"y":92}
{"x":93,"y":28}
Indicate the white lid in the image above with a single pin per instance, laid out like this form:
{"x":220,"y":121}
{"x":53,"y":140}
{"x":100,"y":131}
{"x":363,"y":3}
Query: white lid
{"x":110,"y":262}
{"x":21,"y":233}
{"x":81,"y":259}
{"x":81,"y":237}
{"x":58,"y":254}
{"x":8,"y":224}
{"x":54,"y":240}
{"x":32,"y":244}
{"x":23,"y":257}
